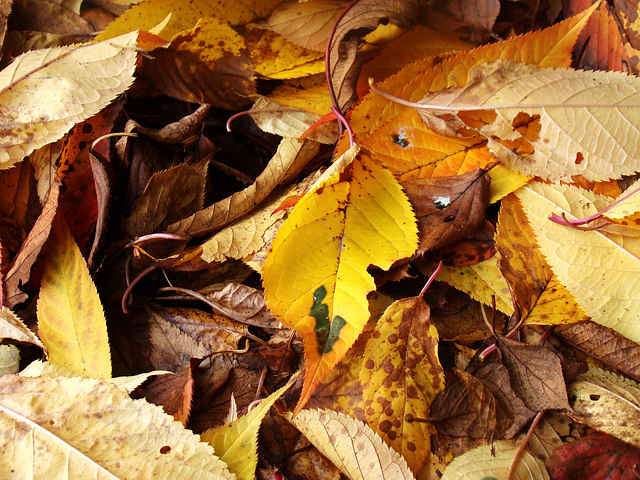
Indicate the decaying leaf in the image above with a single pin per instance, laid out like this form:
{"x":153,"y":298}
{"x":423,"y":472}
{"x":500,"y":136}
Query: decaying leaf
{"x":12,"y":327}
{"x":400,"y":377}
{"x":79,"y":81}
{"x":116,"y":438}
{"x":206,"y":64}
{"x":315,"y":278}
{"x":351,"y":445}
{"x":448,"y":208}
{"x":607,"y":402}
{"x":71,"y":321}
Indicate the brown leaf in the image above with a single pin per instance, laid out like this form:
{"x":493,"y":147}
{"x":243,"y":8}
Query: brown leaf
{"x":103,"y":198}
{"x":207,"y":64}
{"x":48,"y":16}
{"x":290,"y":158}
{"x":448,"y":208}
{"x":605,"y":344}
{"x":468,"y":407}
{"x":535,"y":373}
{"x":173,"y":391}
{"x":363,"y":17}
{"x":169,"y":196}
{"x":476,"y":15}
{"x":241,"y":301}
{"x":176,"y":132}
{"x":20,"y":270}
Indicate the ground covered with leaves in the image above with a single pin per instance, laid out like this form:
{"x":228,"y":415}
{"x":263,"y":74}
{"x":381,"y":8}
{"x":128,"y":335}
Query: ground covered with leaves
{"x":389,"y":239}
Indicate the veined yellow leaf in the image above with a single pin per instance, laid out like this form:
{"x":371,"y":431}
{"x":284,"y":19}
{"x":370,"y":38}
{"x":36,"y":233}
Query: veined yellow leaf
{"x":351,"y":446}
{"x":237,"y":443}
{"x":601,"y":271}
{"x":316,"y":278}
{"x":44,"y":93}
{"x":71,"y":321}
{"x":85,"y":428}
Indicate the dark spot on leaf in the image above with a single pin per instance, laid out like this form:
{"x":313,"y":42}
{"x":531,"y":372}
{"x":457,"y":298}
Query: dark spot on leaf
{"x":385,"y":426}
{"x":82,"y":145}
{"x":450,"y":218}
{"x":400,"y":140}
{"x":594,"y":397}
{"x":579,"y":158}
{"x":221,"y":43}
{"x":164,"y":450}
{"x":393,"y":338}
{"x":87,"y":128}
{"x":392,"y":435}
{"x":411,"y":446}
{"x":369,"y":364}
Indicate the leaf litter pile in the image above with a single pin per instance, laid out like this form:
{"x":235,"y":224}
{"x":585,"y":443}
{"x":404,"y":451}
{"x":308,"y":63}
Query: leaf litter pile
{"x":410,"y":227}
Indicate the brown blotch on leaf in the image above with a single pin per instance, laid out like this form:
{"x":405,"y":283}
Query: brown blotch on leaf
{"x":579,"y":158}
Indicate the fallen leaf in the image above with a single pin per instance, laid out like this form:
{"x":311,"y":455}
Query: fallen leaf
{"x":550,"y":152}
{"x":147,"y":15}
{"x":607,"y":402}
{"x":71,"y":321}
{"x":12,"y":327}
{"x":597,"y":456}
{"x":400,"y":377}
{"x":541,"y":298}
{"x":598,"y":270}
{"x":176,"y":132}
{"x":351,"y":445}
{"x":41,"y":435}
{"x":315,"y":278}
{"x":168,"y":197}
{"x":287,"y":123}
{"x":237,"y":442}
{"x":605,"y":344}
{"x":20,"y":270}
{"x":288,"y":161}
{"x":493,"y":461}
{"x":448,"y":208}
{"x":241,"y":301}
{"x":81,"y":81}
{"x":9,"y":359}
{"x":535,"y":373}
{"x":209,"y":64}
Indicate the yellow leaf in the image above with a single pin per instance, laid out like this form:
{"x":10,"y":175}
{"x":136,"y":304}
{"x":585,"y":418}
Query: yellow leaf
{"x":312,"y":95}
{"x":575,"y":122}
{"x":504,"y":182}
{"x":288,"y":123}
{"x":71,"y":321}
{"x":316,"y":276}
{"x":401,"y":375}
{"x":602,"y":272}
{"x":84,"y":428}
{"x":541,"y":298}
{"x":493,"y":461}
{"x":607,"y":402}
{"x":184,"y":15}
{"x":480,"y":281}
{"x":278,"y":59}
{"x":43,"y":93}
{"x":351,"y":446}
{"x":237,"y":443}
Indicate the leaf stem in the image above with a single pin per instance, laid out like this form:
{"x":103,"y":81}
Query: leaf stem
{"x":260,"y":110}
{"x":479,"y":108}
{"x":431,"y":279}
{"x":525,"y":442}
{"x":578,"y":222}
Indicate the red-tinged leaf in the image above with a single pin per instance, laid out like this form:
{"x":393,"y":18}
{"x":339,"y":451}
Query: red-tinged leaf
{"x":329,"y":117}
{"x":595,"y":457}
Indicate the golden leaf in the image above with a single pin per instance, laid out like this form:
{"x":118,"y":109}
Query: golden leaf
{"x":71,"y":320}
{"x":43,"y":93}
{"x":80,"y":428}
{"x":316,"y":276}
